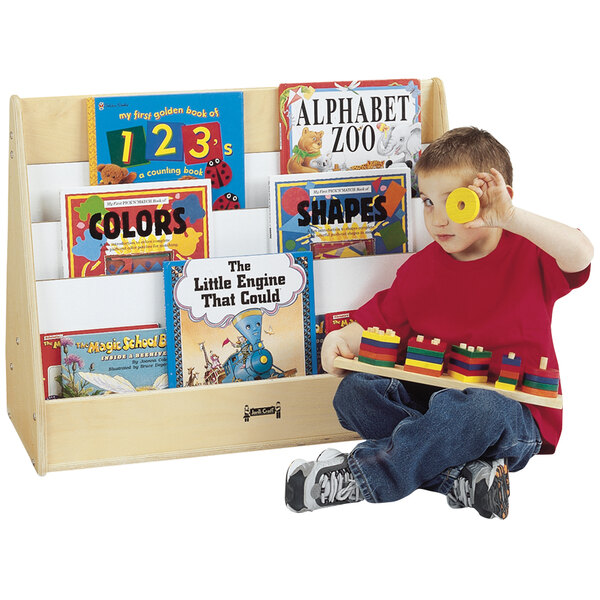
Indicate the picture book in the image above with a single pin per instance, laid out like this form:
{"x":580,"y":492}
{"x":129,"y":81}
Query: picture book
{"x":160,"y":137}
{"x":240,"y":319}
{"x":134,"y":228}
{"x":338,"y":126}
{"x":52,"y":349}
{"x":326,"y":324}
{"x":340,"y":214}
{"x":114,"y":362}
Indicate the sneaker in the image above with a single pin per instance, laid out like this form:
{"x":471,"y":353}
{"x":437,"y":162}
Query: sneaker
{"x":482,"y":485}
{"x":325,"y":482}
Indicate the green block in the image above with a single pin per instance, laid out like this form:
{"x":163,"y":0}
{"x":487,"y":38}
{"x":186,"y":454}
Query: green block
{"x":425,"y":352}
{"x":377,"y":363}
{"x":508,"y":380}
{"x":474,"y":354}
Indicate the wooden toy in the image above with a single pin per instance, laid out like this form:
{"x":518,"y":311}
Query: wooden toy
{"x":425,"y":357}
{"x":378,"y":347}
{"x":542,"y":382}
{"x":510,"y":372}
{"x":469,"y":364}
{"x":444,"y":381}
{"x":462,"y":205}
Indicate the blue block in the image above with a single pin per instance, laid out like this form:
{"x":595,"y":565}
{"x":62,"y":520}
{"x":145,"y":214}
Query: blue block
{"x":468,"y":367}
{"x":425,"y":358}
{"x":545,"y":380}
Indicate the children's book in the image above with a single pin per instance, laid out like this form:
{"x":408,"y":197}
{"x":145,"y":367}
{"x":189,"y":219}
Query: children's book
{"x":340,"y":214}
{"x":114,"y":362}
{"x":338,"y":126}
{"x":240,"y":318}
{"x":165,"y":137}
{"x":326,"y":324}
{"x":134,"y":228}
{"x":54,"y":345}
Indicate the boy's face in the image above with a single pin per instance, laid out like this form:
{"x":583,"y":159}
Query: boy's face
{"x":456,"y":239}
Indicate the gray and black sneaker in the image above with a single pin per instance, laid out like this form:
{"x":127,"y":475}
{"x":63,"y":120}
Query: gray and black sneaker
{"x":482,"y":485}
{"x":325,"y":482}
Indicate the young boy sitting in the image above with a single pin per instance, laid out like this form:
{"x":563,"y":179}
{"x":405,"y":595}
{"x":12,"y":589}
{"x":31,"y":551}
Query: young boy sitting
{"x":491,"y":282}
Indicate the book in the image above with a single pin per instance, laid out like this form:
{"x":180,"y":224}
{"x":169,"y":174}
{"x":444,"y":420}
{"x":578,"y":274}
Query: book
{"x":160,"y":137}
{"x":239,"y":318}
{"x":337,"y":126}
{"x":52,"y":350}
{"x":134,"y":228}
{"x":326,"y":324}
{"x":114,"y":362}
{"x":340,"y":214}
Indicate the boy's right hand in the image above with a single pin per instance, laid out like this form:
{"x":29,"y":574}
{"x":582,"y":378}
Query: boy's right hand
{"x":342,"y":342}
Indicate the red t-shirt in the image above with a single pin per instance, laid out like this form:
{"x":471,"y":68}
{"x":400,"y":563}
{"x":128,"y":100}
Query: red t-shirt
{"x":502,"y":302}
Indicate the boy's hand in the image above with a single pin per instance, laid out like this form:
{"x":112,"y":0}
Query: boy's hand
{"x":340,"y":343}
{"x":496,"y":200}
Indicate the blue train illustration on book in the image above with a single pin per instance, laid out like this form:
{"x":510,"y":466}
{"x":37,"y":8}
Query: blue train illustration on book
{"x":250,"y":361}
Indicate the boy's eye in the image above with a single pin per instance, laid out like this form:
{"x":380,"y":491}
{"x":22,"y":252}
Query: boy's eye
{"x":427,"y":202}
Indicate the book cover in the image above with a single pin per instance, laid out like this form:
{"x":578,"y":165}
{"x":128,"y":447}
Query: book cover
{"x":336,"y":126}
{"x":54,"y":345}
{"x":160,"y":137}
{"x":114,"y":362}
{"x":340,"y":214}
{"x":240,"y":318}
{"x":134,"y":228}
{"x":325,"y":325}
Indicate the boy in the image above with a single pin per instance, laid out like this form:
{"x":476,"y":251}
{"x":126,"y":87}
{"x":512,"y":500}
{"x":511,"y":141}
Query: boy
{"x":492,"y":283}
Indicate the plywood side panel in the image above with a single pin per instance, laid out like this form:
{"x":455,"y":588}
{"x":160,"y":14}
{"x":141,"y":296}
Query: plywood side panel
{"x":25,"y":394}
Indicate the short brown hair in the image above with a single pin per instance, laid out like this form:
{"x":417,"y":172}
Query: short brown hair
{"x":466,"y":147}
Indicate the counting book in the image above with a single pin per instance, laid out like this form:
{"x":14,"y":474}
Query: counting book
{"x":160,"y":137}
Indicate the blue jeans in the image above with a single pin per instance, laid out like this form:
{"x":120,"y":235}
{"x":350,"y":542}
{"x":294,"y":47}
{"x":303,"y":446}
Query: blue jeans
{"x":419,"y":439}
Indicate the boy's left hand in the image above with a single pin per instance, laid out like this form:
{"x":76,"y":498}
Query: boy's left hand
{"x":496,"y":200}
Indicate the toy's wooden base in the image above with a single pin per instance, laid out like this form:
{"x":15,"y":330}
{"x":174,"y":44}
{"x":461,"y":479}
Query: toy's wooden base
{"x":444,"y":381}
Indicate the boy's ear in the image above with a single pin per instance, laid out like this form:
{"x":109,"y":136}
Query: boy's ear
{"x":510,"y":191}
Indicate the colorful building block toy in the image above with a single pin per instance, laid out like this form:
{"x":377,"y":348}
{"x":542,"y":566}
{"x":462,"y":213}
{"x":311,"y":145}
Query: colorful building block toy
{"x":542,"y":382}
{"x":425,"y":357}
{"x":469,"y":364}
{"x":378,"y":347}
{"x":510,"y":372}
{"x":462,"y":205}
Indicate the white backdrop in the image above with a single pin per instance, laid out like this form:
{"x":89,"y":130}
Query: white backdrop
{"x":216,"y":527}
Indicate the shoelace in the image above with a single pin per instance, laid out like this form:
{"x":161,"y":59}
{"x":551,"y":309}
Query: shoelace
{"x":339,"y":486}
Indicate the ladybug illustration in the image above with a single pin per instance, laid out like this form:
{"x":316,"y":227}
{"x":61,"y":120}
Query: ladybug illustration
{"x":227,"y":201}
{"x":219,"y":172}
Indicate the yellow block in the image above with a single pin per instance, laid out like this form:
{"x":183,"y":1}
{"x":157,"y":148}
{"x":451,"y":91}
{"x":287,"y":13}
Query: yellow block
{"x":466,"y":379}
{"x":424,"y":365}
{"x":505,"y":386}
{"x":381,"y":336}
{"x":462,"y":205}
